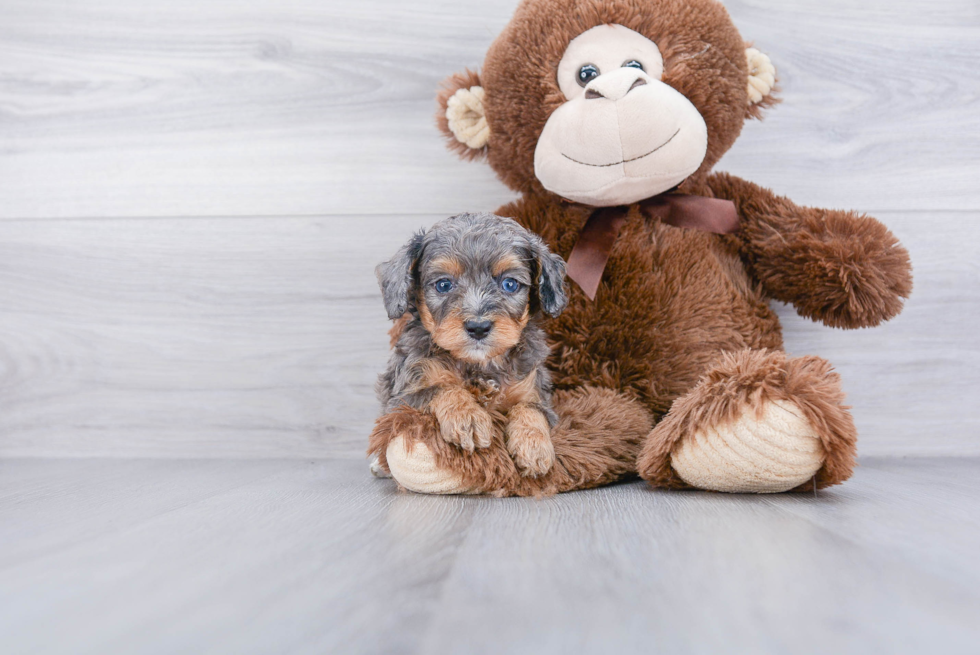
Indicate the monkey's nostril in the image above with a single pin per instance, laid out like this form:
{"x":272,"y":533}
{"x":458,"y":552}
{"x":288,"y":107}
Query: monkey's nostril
{"x":592,"y":94}
{"x":478,"y":329}
{"x":639,"y":82}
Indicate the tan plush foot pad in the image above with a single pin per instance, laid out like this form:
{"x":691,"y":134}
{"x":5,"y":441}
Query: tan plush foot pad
{"x":771,"y":454}
{"x":417,"y":470}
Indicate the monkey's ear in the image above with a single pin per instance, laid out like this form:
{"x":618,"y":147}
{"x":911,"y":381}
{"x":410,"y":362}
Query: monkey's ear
{"x":397,"y":276}
{"x":762,"y":82}
{"x":461,"y":117}
{"x":551,"y":277}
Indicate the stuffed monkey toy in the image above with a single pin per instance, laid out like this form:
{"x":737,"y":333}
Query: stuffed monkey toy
{"x":607,"y":116}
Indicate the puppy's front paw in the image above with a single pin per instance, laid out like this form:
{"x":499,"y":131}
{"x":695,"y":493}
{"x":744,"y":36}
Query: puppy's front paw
{"x":468,"y":428}
{"x":529,"y":441}
{"x":462,"y":421}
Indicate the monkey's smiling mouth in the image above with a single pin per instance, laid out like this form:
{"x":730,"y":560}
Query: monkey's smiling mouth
{"x":624,"y":161}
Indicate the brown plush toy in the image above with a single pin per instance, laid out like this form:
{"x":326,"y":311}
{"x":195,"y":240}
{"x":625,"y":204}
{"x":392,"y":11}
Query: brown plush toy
{"x":608,"y":116}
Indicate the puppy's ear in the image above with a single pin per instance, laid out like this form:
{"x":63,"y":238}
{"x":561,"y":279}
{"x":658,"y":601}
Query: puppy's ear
{"x":551,"y":277}
{"x":397,"y":276}
{"x":461,"y":116}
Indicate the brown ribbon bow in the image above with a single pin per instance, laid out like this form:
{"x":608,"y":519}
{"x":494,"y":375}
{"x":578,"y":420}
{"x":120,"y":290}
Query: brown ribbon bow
{"x":595,"y":243}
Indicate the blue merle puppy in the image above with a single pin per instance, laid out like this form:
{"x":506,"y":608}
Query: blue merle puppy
{"x":468,"y":293}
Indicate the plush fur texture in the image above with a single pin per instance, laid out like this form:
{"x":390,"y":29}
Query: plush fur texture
{"x":843,"y":269}
{"x":680,"y":334}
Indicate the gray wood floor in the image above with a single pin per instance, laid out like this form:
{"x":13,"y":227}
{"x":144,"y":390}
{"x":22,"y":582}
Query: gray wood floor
{"x":193,"y":195}
{"x":314,"y":556}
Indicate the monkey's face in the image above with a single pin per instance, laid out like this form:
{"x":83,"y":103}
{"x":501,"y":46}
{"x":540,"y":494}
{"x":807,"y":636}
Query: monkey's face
{"x":622,"y":135}
{"x":475,"y":304}
{"x":608,"y":102}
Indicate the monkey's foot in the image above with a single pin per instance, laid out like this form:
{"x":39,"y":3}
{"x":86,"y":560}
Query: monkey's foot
{"x":757,"y":422}
{"x":595,"y":442}
{"x":417,"y":470}
{"x":774,"y":452}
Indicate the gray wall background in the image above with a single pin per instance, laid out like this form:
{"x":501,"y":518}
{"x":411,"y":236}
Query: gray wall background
{"x":193,"y":195}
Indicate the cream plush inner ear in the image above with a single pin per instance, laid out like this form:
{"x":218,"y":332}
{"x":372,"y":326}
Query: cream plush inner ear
{"x":467,"y":120}
{"x":762,"y":75}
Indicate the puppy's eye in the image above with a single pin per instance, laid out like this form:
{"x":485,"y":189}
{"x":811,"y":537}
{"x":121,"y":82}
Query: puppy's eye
{"x":632,"y":63}
{"x":510,"y":285}
{"x":587,"y":73}
{"x":444,"y":285}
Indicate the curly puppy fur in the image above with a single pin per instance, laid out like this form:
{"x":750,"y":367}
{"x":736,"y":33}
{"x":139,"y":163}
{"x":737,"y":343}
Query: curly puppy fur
{"x":466,"y":296}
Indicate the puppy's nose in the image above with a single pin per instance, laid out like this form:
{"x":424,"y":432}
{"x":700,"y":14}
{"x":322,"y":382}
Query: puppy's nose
{"x":478,"y":329}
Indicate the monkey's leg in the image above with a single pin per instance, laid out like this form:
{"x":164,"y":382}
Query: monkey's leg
{"x":596,"y":442}
{"x":757,"y":422}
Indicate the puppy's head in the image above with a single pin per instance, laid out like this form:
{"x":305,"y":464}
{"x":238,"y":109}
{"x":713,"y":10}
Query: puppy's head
{"x":474,"y":280}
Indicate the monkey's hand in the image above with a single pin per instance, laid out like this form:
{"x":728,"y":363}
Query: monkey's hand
{"x":529,"y":440}
{"x":843,"y":269}
{"x":462,"y":421}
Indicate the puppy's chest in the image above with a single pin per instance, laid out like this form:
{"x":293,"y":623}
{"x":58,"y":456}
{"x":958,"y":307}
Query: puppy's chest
{"x":485,"y":389}
{"x":500,"y":393}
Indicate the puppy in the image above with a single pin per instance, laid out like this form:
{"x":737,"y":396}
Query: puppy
{"x":467,"y":294}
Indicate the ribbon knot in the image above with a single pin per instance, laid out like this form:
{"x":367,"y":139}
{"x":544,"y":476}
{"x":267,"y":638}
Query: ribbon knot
{"x":591,"y":252}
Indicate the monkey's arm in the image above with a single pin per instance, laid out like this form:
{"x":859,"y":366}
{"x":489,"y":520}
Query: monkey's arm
{"x":844,"y":269}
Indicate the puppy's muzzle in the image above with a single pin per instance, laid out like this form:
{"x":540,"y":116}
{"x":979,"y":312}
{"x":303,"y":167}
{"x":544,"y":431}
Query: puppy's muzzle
{"x":478,"y":329}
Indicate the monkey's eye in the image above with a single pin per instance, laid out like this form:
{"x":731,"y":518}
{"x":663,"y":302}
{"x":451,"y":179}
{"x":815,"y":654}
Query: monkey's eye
{"x":587,"y":73}
{"x":510,"y":285}
{"x":632,"y":63}
{"x":444,"y":285}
